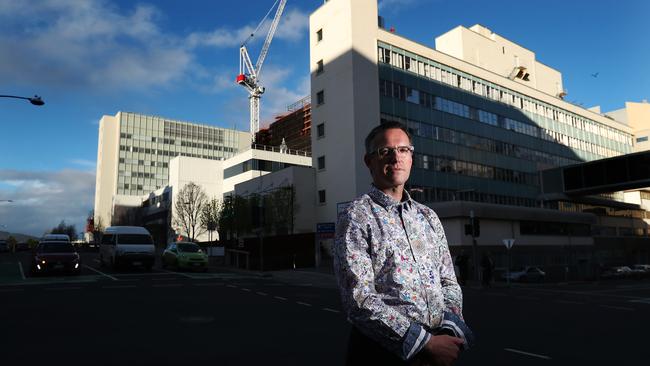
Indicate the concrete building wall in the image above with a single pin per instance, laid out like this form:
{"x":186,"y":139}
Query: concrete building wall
{"x":106,"y":176}
{"x":351,"y":97}
{"x":302,"y":180}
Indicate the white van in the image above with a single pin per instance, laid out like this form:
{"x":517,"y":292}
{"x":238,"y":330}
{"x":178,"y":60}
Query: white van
{"x":123,"y":245}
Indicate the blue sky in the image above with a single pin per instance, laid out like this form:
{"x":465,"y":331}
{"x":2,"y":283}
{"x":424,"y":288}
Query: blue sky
{"x":178,"y":59}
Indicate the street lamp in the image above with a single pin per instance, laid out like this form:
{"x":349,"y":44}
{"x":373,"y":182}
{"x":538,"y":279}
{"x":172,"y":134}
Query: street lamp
{"x":35,"y":100}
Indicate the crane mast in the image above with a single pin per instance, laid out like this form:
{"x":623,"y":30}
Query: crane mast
{"x":249,"y":75}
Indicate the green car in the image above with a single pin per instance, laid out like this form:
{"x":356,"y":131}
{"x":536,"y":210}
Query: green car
{"x":185,"y":255}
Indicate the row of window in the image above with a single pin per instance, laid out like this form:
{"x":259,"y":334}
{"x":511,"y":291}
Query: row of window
{"x":137,"y":174}
{"x":438,"y":133}
{"x":395,"y":90}
{"x":435,"y":194}
{"x":430,"y":69}
{"x":163,"y":164}
{"x":160,"y":152}
{"x":194,"y":132}
{"x":454,"y":166}
{"x":166,"y":141}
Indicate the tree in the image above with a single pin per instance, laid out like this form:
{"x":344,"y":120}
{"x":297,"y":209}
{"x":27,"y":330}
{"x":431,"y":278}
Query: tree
{"x":210,"y":216}
{"x":62,"y":228}
{"x":188,"y":207}
{"x":12,"y":243}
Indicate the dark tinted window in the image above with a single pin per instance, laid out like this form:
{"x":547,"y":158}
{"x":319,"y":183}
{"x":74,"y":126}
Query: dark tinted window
{"x":134,"y":239}
{"x":188,"y":248}
{"x":56,"y":248}
{"x":107,"y":239}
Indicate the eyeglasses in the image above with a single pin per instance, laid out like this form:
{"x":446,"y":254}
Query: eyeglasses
{"x":383,"y":152}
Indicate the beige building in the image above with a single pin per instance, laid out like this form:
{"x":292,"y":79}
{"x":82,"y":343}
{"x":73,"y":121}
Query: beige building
{"x":637,"y":116}
{"x":134,"y":150}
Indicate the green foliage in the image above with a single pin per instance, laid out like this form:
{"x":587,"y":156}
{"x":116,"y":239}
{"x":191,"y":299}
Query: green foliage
{"x":62,"y":228}
{"x":32,"y":243}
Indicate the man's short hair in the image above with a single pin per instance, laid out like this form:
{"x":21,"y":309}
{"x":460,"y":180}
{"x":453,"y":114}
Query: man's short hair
{"x":384,"y":127}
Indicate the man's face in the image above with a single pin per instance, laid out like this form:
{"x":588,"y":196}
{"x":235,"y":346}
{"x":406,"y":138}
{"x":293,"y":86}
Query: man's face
{"x":392,"y":170}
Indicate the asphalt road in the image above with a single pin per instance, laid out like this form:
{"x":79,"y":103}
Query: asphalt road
{"x":134,"y":317}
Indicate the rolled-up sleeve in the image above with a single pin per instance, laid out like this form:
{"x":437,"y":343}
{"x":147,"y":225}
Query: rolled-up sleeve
{"x":366,"y":309}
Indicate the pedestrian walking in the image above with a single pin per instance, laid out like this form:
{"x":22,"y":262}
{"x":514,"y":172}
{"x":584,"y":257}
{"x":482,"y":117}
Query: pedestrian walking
{"x":488,"y":269}
{"x":462,"y":261}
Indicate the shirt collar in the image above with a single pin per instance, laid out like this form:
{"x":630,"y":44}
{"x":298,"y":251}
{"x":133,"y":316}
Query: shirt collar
{"x":387,"y":201}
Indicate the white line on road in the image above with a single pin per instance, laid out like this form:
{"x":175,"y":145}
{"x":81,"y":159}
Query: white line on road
{"x":280,"y":298}
{"x":63,"y":288}
{"x":22,"y":274}
{"x":121,"y":286}
{"x":641,"y":301}
{"x":232,"y":286}
{"x":101,"y":273}
{"x":527,"y":298}
{"x":570,"y":302}
{"x":331,"y":310}
{"x":303,"y":303}
{"x":96,"y":260}
{"x":246,"y":289}
{"x":527,"y":353}
{"x":261,"y":293}
{"x":616,"y":307}
{"x":179,"y":273}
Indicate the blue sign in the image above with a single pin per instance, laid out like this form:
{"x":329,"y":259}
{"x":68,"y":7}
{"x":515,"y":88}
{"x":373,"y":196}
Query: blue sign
{"x":325,"y":227}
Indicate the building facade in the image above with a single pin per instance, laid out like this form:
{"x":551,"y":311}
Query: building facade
{"x":293,"y":127}
{"x":484,"y":114}
{"x":134,"y":151}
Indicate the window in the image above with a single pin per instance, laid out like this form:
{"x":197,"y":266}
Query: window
{"x":321,"y":162}
{"x":319,"y":35}
{"x":642,"y":139}
{"x":320,"y":130}
{"x":320,"y":97}
{"x":319,"y":67}
{"x":321,"y":196}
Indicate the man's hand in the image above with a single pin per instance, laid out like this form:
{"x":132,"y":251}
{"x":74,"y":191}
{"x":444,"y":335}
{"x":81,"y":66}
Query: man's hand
{"x":440,"y":350}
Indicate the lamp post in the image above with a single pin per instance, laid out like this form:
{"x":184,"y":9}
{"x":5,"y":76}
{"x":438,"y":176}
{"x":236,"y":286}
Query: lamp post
{"x":35,"y":100}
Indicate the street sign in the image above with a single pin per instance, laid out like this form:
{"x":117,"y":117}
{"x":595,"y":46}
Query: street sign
{"x":508,"y":243}
{"x":325,"y":227}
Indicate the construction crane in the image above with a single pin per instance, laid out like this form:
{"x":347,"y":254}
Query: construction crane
{"x":249,"y":76}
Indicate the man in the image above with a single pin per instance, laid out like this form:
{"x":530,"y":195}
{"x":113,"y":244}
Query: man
{"x":393,"y":267}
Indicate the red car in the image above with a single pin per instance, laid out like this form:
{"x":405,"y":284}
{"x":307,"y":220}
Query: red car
{"x":56,"y":256}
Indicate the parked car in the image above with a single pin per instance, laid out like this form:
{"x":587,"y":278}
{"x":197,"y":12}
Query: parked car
{"x":3,"y":246}
{"x":617,"y":272}
{"x":55,"y":256}
{"x":56,"y":237}
{"x":185,"y":255}
{"x":122,"y":245}
{"x":525,"y":274}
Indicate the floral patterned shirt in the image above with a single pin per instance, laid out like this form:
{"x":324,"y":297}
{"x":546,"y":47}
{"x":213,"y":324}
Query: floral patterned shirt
{"x":394,"y":271}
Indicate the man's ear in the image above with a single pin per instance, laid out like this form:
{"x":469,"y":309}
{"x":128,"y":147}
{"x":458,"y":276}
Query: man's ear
{"x":366,"y":160}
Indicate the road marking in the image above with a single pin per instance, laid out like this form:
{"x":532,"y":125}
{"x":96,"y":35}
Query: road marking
{"x":570,"y":302}
{"x":169,"y":285}
{"x":63,"y":288}
{"x":331,"y":310}
{"x":120,"y":286}
{"x":179,"y":273}
{"x":302,"y":303}
{"x":527,"y":298}
{"x":96,"y":260}
{"x":616,"y":307}
{"x":22,"y":274}
{"x":261,"y":293}
{"x":280,"y":298}
{"x":527,"y":353}
{"x":11,"y":289}
{"x":246,"y":289}
{"x":231,"y":286}
{"x":641,"y":301}
{"x":101,"y":273}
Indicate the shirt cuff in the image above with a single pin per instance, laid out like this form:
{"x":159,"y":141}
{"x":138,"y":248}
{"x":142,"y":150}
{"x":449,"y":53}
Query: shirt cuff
{"x":414,"y":340}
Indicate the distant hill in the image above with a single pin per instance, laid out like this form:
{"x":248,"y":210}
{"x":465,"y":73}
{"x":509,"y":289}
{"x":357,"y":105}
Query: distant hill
{"x":21,"y":238}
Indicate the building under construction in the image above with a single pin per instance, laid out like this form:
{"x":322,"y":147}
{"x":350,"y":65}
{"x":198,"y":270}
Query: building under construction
{"x":294,"y":127}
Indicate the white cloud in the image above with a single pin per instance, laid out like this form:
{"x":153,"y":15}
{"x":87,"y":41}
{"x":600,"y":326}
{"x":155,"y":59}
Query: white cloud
{"x":42,"y":199}
{"x":83,"y":44}
{"x":293,"y":26}
{"x":394,"y":4}
{"x":88,"y":164}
